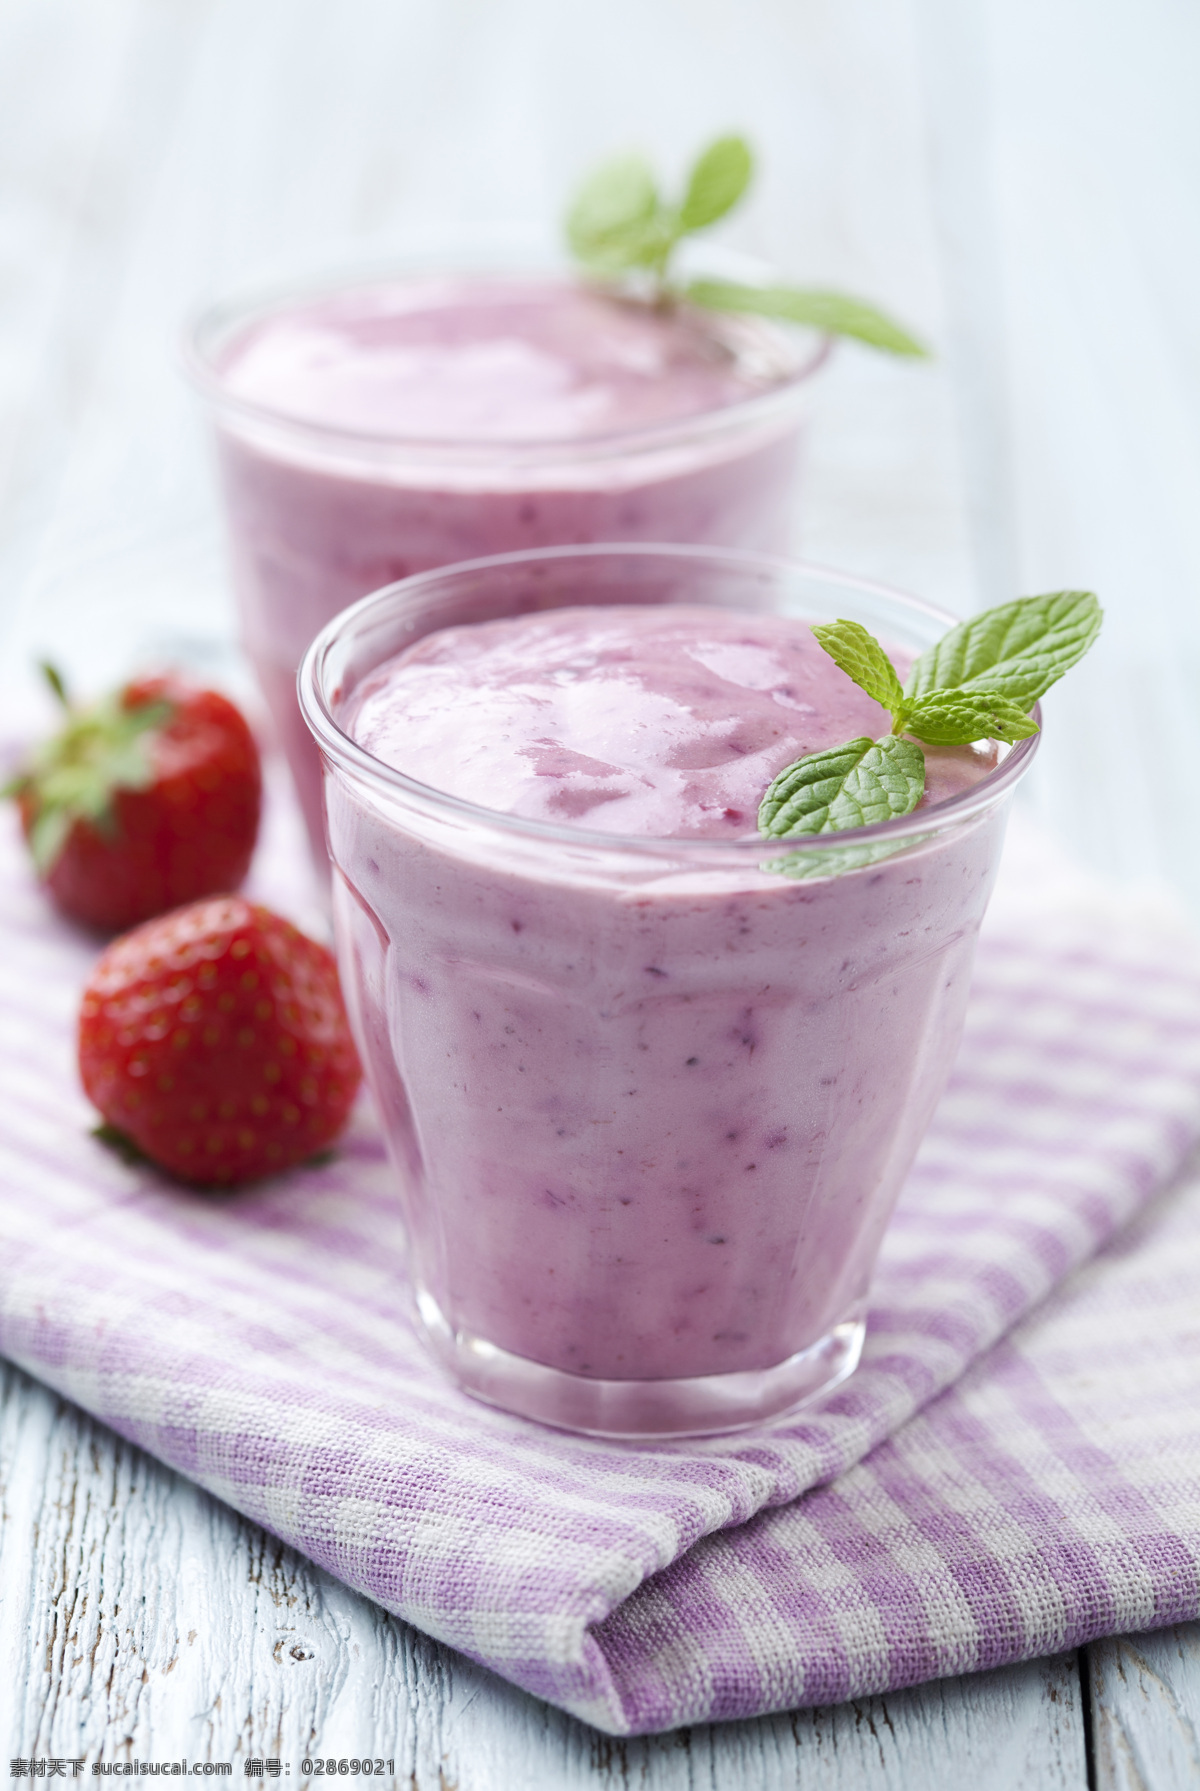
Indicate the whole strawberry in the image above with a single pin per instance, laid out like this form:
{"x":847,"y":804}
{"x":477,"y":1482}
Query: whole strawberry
{"x":215,"y":1040}
{"x":144,"y":800}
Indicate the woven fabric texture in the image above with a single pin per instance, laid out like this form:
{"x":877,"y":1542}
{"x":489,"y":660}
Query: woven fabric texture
{"x":261,"y":1344}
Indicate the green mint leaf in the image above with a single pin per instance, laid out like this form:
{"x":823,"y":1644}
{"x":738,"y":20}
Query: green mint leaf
{"x":834,"y":313}
{"x":719,"y":177}
{"x":956,"y":717}
{"x":620,"y":224}
{"x":1018,"y":650}
{"x":836,"y":861}
{"x":613,"y":220}
{"x":861,"y":657}
{"x":855,"y":785}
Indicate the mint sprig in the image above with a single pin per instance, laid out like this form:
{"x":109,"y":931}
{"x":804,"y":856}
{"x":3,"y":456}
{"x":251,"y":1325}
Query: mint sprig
{"x":620,"y":224}
{"x":978,"y":682}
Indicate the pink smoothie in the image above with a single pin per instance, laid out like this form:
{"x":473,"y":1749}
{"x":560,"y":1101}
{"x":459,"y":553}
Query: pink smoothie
{"x":376,"y":431}
{"x":650,"y":1115}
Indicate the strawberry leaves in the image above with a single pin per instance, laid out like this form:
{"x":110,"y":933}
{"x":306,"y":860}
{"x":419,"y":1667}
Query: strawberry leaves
{"x":76,"y":775}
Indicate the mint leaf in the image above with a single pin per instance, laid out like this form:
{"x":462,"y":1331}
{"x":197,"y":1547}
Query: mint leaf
{"x":620,"y":224}
{"x":834,"y":313}
{"x":862,"y":658}
{"x":855,"y":785}
{"x":1018,"y":650}
{"x":612,"y":221}
{"x":836,"y":861}
{"x":977,"y":683}
{"x":955,"y":717}
{"x":719,"y":177}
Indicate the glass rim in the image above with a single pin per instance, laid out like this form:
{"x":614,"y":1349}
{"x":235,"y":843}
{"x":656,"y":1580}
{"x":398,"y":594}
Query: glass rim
{"x":217,"y":321}
{"x":338,"y":747}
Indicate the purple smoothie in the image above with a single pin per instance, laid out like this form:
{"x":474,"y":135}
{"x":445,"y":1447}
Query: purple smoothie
{"x":652,"y":1101}
{"x":372,"y":432}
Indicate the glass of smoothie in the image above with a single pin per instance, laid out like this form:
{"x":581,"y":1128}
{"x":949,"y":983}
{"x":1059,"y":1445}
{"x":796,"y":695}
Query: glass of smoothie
{"x":371,"y":429}
{"x":651,"y":1083}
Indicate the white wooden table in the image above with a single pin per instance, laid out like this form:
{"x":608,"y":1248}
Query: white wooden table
{"x":1017,"y":180}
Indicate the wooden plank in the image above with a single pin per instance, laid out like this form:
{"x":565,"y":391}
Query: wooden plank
{"x":1145,"y":1693}
{"x":1018,"y":1727}
{"x":140,"y":1619}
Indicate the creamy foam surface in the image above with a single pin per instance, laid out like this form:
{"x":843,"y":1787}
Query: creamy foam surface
{"x":486,"y":360}
{"x":662,"y":721}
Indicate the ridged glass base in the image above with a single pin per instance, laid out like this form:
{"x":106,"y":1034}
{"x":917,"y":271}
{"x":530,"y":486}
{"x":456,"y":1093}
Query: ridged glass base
{"x":705,"y":1405}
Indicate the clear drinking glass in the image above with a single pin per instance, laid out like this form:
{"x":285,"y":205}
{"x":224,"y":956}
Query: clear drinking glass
{"x":650,"y":1101}
{"x":319,"y":515}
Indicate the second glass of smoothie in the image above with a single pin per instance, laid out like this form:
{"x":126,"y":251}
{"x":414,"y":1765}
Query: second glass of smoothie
{"x":373,"y":430}
{"x":651,"y":1083}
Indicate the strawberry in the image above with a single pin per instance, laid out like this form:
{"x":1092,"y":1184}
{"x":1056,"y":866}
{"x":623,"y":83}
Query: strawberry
{"x":145,"y":800}
{"x":215,"y":1040}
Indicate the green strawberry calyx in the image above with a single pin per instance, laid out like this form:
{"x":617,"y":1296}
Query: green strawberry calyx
{"x":74,"y":776}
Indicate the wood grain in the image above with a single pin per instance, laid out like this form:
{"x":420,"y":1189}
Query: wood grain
{"x":1145,"y":1693}
{"x":140,"y":1619}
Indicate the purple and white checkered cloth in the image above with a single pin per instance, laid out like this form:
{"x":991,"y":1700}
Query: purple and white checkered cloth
{"x":988,"y":1487}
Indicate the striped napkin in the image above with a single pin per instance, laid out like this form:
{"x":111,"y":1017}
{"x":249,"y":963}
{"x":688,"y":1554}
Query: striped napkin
{"x":987,"y":1487}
